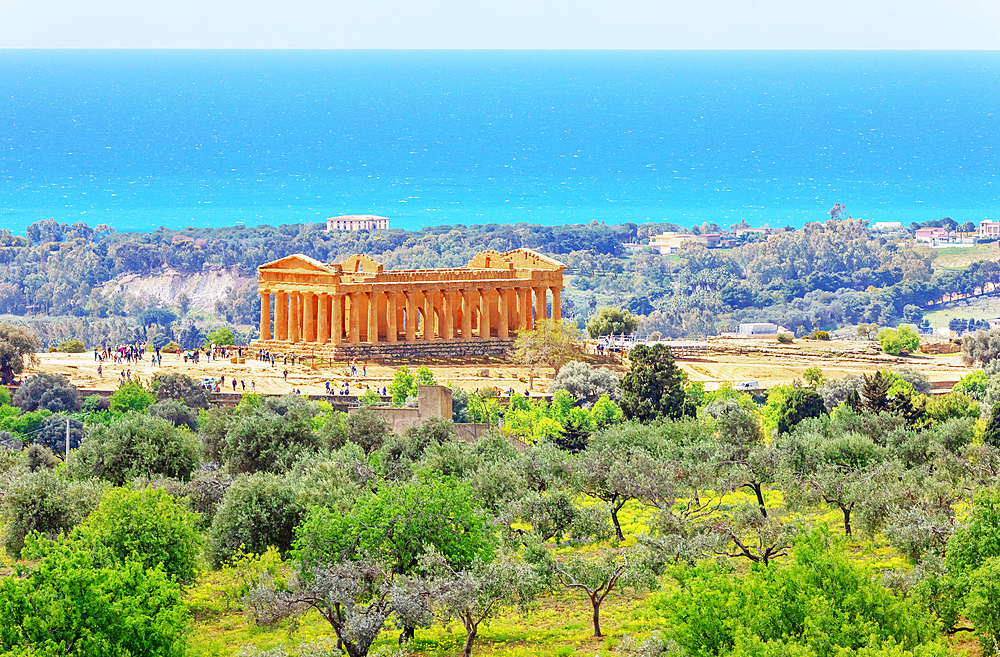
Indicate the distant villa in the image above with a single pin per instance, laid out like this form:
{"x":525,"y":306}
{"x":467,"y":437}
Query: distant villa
{"x":357,"y":222}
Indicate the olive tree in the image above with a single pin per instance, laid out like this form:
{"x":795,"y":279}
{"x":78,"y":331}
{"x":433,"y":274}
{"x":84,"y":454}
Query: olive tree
{"x":45,"y":502}
{"x":257,"y":511}
{"x":17,"y":348}
{"x":586,"y":382}
{"x":356,"y":598}
{"x":479,"y":593}
{"x":136,"y":445}
{"x":180,"y":387}
{"x":48,"y":391}
{"x":597,"y":578}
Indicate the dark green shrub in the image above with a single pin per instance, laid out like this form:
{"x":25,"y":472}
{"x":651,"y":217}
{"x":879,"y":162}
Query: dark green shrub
{"x":182,"y":388}
{"x":50,"y":392}
{"x":176,"y":413}
{"x":45,"y":502}
{"x":268,"y":437}
{"x":365,"y":428}
{"x":38,"y":457}
{"x":72,"y":347}
{"x":136,"y":445}
{"x":785,"y":338}
{"x":53,"y":433}
{"x":802,"y":403}
{"x":259,"y":510}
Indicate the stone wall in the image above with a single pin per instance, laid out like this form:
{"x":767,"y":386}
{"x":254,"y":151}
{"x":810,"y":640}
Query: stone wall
{"x":398,"y":351}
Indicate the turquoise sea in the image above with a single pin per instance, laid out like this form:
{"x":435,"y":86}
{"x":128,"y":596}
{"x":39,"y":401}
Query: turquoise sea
{"x":140,"y":139}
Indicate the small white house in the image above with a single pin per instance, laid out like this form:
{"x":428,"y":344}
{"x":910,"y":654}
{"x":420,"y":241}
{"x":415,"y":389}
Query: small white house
{"x":757,"y":329}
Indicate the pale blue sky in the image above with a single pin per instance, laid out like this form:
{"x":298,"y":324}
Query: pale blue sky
{"x":642,"y":24}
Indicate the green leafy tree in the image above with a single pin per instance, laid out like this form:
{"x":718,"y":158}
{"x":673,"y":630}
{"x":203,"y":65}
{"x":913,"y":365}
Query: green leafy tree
{"x":973,"y":384}
{"x":131,"y":396}
{"x":814,"y":377}
{"x":981,"y":605}
{"x":17,"y":347}
{"x":403,"y":383}
{"x":68,"y":604}
{"x":269,"y":437}
{"x":819,"y":603}
{"x":136,"y":445}
{"x":899,"y":340}
{"x":950,"y":406}
{"x":222,"y":337}
{"x":397,"y":523}
{"x":145,"y":525}
{"x":612,"y":321}
{"x":653,"y":387}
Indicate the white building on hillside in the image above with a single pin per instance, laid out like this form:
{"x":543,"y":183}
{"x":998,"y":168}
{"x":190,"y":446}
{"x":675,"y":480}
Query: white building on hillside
{"x":989,"y":228}
{"x":357,"y":222}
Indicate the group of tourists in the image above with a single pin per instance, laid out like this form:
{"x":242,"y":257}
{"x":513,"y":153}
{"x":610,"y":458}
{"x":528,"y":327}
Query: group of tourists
{"x":122,"y":353}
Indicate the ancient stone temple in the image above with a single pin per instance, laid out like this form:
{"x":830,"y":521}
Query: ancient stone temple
{"x":353,"y":307}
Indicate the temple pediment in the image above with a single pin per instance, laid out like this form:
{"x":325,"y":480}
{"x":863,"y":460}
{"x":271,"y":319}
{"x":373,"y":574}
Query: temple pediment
{"x":516,"y":259}
{"x":297,"y":262}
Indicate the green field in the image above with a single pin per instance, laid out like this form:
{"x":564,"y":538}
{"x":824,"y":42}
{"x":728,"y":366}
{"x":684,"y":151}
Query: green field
{"x":986,"y":307}
{"x":959,"y":258}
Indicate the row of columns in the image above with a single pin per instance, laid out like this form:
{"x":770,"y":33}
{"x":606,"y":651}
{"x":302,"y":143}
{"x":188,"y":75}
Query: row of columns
{"x":375,"y":316}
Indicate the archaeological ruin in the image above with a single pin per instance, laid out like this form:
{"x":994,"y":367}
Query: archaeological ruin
{"x":357,"y":309}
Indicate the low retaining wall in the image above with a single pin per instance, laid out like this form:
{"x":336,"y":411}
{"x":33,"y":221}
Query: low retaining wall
{"x":394,"y":351}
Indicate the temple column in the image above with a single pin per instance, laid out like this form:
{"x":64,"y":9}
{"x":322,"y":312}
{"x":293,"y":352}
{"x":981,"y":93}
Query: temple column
{"x":392,"y":317}
{"x":337,"y":323}
{"x":324,"y":319}
{"x":265,"y":315}
{"x":373,"y":299}
{"x":294,"y":317}
{"x":502,"y":312}
{"x":411,"y":316}
{"x":281,"y":316}
{"x":428,"y":315}
{"x":540,"y":304}
{"x":447,"y":316}
{"x":484,"y":313}
{"x":556,"y":309}
{"x":354,"y":331}
{"x":309,"y":317}
{"x":524,"y":308}
{"x":467,"y":315}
